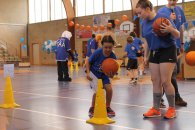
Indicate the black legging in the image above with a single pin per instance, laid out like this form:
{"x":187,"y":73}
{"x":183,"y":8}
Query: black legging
{"x":62,"y":67}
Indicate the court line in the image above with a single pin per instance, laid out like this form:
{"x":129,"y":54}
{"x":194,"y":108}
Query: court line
{"x":72,"y":118}
{"x":89,"y":100}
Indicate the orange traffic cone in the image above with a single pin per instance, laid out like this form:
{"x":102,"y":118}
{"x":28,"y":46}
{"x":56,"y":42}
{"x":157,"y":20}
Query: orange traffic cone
{"x":100,"y":113}
{"x":9,"y":101}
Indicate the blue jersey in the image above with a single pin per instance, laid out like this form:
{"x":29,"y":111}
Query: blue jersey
{"x":75,"y":57}
{"x":131,"y":50}
{"x":180,"y":19}
{"x":137,"y":42}
{"x":91,"y":44}
{"x":153,"y":40}
{"x":95,"y":61}
{"x":63,"y":45}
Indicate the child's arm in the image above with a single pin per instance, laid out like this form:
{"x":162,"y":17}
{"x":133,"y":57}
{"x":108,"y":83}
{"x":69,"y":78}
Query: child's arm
{"x":88,"y":70}
{"x":125,"y":55}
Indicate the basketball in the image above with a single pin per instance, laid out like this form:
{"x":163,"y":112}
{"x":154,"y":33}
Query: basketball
{"x":190,"y":58}
{"x":110,"y":66}
{"x":156,"y":26}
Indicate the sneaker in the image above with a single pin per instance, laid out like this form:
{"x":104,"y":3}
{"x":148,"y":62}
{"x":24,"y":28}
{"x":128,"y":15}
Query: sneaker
{"x":91,"y":111}
{"x":171,"y":113}
{"x":162,"y":105}
{"x":152,"y":113}
{"x":180,"y":102}
{"x":68,"y":79}
{"x":110,"y":112}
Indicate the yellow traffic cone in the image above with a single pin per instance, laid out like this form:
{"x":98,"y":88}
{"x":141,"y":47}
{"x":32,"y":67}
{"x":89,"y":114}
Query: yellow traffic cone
{"x":9,"y":101}
{"x":76,"y":66}
{"x":71,"y":66}
{"x":100,"y":113}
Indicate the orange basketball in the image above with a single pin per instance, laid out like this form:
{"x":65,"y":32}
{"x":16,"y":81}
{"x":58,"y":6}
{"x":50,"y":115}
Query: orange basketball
{"x":71,"y":23}
{"x":124,"y":18}
{"x":88,"y":28}
{"x":95,"y":28}
{"x":82,"y":27}
{"x":110,"y":66}
{"x":157,"y":23}
{"x":190,"y":58}
{"x":77,"y":26}
{"x":102,"y":27}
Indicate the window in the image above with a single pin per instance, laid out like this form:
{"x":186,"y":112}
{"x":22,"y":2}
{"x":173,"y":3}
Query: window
{"x":188,"y":0}
{"x":38,"y":11}
{"x":165,"y":2}
{"x":89,"y":7}
{"x":108,"y":6}
{"x":154,"y":2}
{"x":45,"y":10}
{"x":80,"y":7}
{"x":31,"y":11}
{"x":98,"y":6}
{"x":117,"y":5}
{"x":126,"y":5}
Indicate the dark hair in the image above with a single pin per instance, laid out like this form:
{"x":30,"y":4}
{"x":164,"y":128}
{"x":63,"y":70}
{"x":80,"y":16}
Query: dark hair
{"x":107,"y":38}
{"x":133,"y":34}
{"x":93,"y":36}
{"x":129,"y":39}
{"x":144,"y":4}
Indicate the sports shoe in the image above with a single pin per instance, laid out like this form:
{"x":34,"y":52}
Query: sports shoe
{"x":68,"y":79}
{"x":180,"y":102}
{"x":171,"y":113}
{"x":152,"y":113}
{"x":91,"y":111}
{"x":110,"y":112}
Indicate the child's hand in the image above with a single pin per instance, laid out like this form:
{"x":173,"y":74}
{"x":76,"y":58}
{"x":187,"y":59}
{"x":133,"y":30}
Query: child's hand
{"x":88,"y":77}
{"x":110,"y":75}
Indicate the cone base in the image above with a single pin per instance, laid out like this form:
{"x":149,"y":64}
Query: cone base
{"x":14,"y":105}
{"x":100,"y":121}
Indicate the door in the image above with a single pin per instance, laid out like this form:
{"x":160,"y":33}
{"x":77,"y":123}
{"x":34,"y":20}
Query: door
{"x":36,"y":54}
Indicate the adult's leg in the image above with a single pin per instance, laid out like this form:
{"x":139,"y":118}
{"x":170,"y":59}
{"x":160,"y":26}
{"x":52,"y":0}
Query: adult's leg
{"x":166,"y":70}
{"x":60,"y":72}
{"x":156,"y":81}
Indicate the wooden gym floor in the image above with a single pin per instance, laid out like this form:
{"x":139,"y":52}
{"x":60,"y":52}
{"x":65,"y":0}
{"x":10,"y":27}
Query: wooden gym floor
{"x":47,"y":104}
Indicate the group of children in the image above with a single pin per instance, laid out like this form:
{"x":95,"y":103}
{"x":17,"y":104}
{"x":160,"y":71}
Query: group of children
{"x":162,"y":60}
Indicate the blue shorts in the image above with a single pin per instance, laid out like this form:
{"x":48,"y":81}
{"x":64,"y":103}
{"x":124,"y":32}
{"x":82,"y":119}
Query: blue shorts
{"x":105,"y":79}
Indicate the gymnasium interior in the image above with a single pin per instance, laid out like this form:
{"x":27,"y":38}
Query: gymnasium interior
{"x":29,"y":30}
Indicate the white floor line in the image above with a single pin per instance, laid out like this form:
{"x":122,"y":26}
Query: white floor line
{"x":89,"y":100}
{"x":72,"y":118}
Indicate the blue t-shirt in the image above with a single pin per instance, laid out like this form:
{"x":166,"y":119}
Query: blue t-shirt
{"x":95,"y":61}
{"x":131,"y":50}
{"x":63,"y":45}
{"x":153,"y":40}
{"x":137,"y":42}
{"x":91,"y":44}
{"x":75,"y":57}
{"x":180,"y":19}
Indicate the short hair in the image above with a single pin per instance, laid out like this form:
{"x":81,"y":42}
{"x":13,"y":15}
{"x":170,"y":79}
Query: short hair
{"x":144,"y":4}
{"x":107,"y":38}
{"x":133,"y":34}
{"x":130,"y":39}
{"x":93,"y":35}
